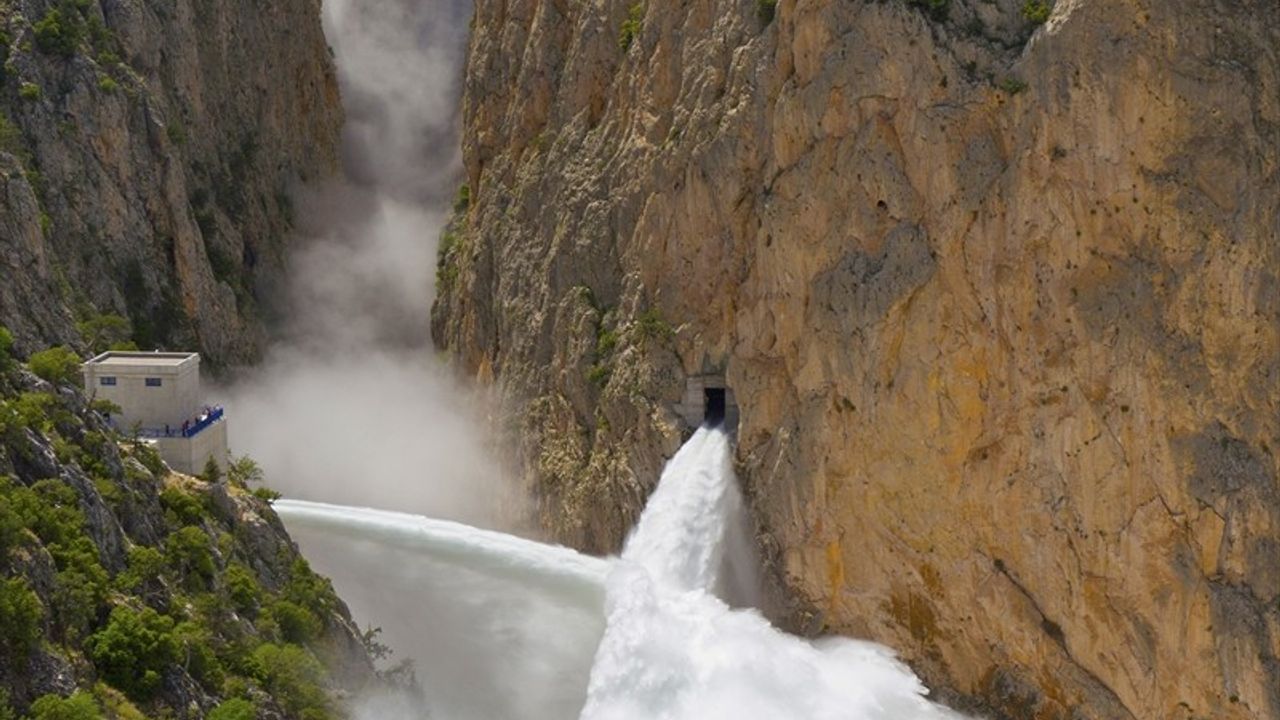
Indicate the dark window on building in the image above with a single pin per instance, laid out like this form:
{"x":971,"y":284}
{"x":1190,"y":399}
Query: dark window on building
{"x":153,"y":382}
{"x":106,"y":381}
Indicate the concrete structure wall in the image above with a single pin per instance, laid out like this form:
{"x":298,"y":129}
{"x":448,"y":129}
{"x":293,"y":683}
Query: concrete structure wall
{"x":188,"y":455}
{"x":693,"y":405}
{"x":175,"y":400}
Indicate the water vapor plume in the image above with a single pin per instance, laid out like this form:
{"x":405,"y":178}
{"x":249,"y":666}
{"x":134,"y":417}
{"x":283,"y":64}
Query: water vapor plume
{"x":351,"y":404}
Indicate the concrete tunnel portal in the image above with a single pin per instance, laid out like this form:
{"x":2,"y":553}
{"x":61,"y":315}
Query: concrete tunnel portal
{"x":708,"y":400}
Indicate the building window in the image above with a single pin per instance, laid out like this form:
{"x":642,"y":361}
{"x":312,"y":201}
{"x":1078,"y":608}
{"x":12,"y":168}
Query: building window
{"x":153,"y":382}
{"x":106,"y":381}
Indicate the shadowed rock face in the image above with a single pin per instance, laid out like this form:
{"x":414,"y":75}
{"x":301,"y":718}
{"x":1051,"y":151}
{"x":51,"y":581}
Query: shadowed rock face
{"x":148,"y":168}
{"x":998,"y":302}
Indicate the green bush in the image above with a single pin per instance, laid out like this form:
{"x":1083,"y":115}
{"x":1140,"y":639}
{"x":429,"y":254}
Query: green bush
{"x":631,"y":26}
{"x":242,"y":589}
{"x":12,"y":142}
{"x":212,"y":471}
{"x":30,"y":91}
{"x":104,"y":332}
{"x":59,"y":32}
{"x":936,"y":9}
{"x":463,"y":199}
{"x":77,"y":595}
{"x":188,"y":554}
{"x":765,"y":10}
{"x":651,"y":325}
{"x":80,"y":706}
{"x":195,"y":651}
{"x":234,"y":709}
{"x":6,"y":708}
{"x":310,"y":590}
{"x":145,"y":563}
{"x":181,"y":507}
{"x":1037,"y":11}
{"x":243,"y":471}
{"x":294,"y":678}
{"x":58,"y":365}
{"x":297,"y":624}
{"x":20,"y":615}
{"x":133,"y":650}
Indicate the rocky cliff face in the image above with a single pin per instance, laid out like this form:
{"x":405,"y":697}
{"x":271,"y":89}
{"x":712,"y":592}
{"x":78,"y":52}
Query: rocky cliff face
{"x":998,"y":299}
{"x":146,"y":150}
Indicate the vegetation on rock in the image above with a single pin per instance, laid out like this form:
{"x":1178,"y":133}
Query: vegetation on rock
{"x":153,"y":594}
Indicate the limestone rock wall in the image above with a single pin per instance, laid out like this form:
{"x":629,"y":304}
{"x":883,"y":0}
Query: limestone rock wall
{"x":999,"y":302}
{"x":146,"y":152}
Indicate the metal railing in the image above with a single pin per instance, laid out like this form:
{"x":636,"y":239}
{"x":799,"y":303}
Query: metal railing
{"x":186,"y":430}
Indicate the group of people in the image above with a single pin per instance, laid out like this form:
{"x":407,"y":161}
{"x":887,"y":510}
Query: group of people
{"x":188,"y":427}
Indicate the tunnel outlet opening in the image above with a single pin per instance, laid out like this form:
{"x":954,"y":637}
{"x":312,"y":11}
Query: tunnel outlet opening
{"x":714,"y":406}
{"x":707,"y":400}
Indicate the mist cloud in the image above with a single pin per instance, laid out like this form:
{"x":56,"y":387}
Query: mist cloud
{"x":352,"y":405}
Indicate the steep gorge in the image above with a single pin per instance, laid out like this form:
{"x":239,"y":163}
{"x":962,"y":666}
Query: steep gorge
{"x":148,"y":149}
{"x":998,"y":301}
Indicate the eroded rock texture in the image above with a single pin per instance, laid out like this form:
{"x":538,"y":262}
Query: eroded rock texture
{"x":999,"y":302}
{"x":146,"y":152}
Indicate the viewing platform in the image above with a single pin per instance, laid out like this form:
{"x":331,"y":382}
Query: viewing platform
{"x":158,"y":394}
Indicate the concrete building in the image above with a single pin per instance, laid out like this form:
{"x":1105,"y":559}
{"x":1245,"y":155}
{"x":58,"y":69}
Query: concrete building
{"x":159,"y":397}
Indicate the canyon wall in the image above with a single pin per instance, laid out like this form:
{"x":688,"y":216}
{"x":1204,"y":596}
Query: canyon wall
{"x":147,"y":149}
{"x":997,"y":295}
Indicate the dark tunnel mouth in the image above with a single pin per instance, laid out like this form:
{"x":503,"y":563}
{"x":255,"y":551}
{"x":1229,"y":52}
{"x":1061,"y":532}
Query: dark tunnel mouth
{"x":715,"y":406}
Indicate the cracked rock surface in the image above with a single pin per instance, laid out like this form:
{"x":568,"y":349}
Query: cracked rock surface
{"x":999,"y":303}
{"x":145,"y":166}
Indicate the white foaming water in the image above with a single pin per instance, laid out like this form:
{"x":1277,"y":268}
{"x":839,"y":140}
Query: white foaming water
{"x":497,"y":626}
{"x":512,"y":628}
{"x":672,"y":649}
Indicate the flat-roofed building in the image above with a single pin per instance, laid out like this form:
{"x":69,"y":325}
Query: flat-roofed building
{"x":159,"y":397}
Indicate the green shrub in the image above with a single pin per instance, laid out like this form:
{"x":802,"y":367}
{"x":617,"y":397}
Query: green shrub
{"x":266,"y":494}
{"x":30,"y":91}
{"x":6,"y":708}
{"x":58,"y":365}
{"x":1012,"y":85}
{"x":294,"y":678}
{"x":59,"y":32}
{"x":116,"y":705}
{"x":144,"y":564}
{"x":107,"y":84}
{"x":599,"y":374}
{"x":80,"y":706}
{"x":20,"y":615}
{"x":1037,"y":11}
{"x":463,"y":199}
{"x":652,"y":326}
{"x":297,"y":624}
{"x":188,"y":554}
{"x":212,"y":471}
{"x":104,"y":332}
{"x":310,"y":590}
{"x":234,"y":709}
{"x":936,"y":9}
{"x":77,"y":595}
{"x":631,"y":26}
{"x":243,"y":471}
{"x":133,"y":650}
{"x":12,"y":142}
{"x":765,"y":10}
{"x":195,"y":652}
{"x":182,"y":507}
{"x":606,"y":342}
{"x":242,"y":588}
